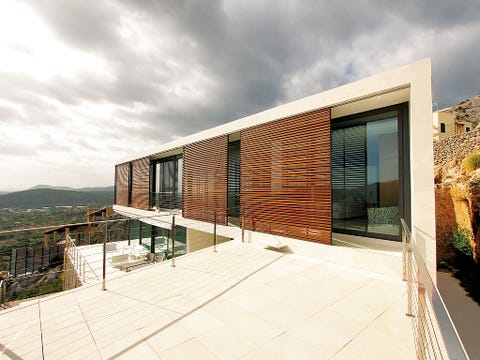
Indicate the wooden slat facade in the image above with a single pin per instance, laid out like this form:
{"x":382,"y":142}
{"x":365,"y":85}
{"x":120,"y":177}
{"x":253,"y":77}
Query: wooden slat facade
{"x":121,"y":183}
{"x":286,"y":178}
{"x":141,"y":183}
{"x":205,"y":179}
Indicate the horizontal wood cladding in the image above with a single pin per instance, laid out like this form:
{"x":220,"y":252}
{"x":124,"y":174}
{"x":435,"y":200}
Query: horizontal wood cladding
{"x":285,"y":180}
{"x":141,"y":183}
{"x":121,"y":184}
{"x":205,"y":180}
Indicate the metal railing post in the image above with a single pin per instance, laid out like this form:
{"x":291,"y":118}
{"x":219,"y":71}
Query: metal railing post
{"x":404,"y":254}
{"x":409,"y":280}
{"x":243,"y":224}
{"x":422,"y":324}
{"x":65,"y":257}
{"x":4,"y":291}
{"x":104,"y":278}
{"x":79,"y":272}
{"x":2,"y":284}
{"x":215,"y":231}
{"x":173,"y":240}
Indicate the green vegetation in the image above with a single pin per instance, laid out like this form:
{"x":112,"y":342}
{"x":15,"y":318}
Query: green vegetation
{"x":461,"y":243}
{"x":465,"y":268}
{"x":43,"y":289}
{"x":471,"y":162}
{"x":29,"y":218}
{"x":38,"y":198}
{"x":22,"y":219}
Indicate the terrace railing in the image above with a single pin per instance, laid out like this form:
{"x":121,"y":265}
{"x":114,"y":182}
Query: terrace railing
{"x":433,"y":330}
{"x":32,"y":259}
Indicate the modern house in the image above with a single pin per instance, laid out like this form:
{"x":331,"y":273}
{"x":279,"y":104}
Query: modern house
{"x":349,"y":166}
{"x":352,"y":160}
{"x":445,"y":124}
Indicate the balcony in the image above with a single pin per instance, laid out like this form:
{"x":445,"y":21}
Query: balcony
{"x":263,"y":297}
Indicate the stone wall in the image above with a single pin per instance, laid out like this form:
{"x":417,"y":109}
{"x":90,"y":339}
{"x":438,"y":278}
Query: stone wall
{"x":457,"y":194}
{"x":454,"y":149}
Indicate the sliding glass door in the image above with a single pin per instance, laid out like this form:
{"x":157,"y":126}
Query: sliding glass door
{"x":367,"y":170}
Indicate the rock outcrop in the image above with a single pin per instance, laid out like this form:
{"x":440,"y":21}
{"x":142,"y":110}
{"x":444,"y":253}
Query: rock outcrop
{"x":457,"y":193}
{"x":20,"y":284}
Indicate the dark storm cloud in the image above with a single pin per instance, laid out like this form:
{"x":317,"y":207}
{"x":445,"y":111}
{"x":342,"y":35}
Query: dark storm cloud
{"x":248,"y":49}
{"x":169,"y":68}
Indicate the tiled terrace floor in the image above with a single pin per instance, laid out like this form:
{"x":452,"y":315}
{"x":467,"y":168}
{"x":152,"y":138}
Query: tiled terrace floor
{"x":243,"y":302}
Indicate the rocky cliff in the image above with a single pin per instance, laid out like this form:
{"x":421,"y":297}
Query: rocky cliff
{"x":457,"y":192}
{"x":468,"y":110}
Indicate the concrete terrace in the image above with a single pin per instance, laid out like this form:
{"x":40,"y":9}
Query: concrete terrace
{"x":243,"y":302}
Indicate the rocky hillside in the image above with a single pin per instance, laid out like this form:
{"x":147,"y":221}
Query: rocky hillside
{"x":468,"y":110}
{"x":32,"y":285}
{"x":457,"y":191}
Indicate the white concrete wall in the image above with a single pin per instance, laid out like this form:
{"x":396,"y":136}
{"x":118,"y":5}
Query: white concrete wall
{"x":421,"y":163}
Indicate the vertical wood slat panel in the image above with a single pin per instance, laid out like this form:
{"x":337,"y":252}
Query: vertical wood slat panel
{"x":286,"y":177}
{"x":121,"y":184}
{"x":141,"y":183}
{"x":205,"y":179}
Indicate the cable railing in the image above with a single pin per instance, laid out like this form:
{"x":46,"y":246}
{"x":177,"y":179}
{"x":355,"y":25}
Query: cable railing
{"x":434,"y":333}
{"x":74,"y":265}
{"x":159,"y":236}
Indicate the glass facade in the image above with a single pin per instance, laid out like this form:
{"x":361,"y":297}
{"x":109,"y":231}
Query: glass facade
{"x":162,"y":243}
{"x":167,"y":177}
{"x":366,"y":182}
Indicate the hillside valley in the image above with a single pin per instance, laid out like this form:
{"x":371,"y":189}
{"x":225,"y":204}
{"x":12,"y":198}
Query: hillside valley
{"x":46,"y":197}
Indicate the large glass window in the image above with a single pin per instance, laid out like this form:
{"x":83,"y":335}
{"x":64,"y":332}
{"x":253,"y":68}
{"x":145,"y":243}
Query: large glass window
{"x":366,"y":186}
{"x":167,"y":183}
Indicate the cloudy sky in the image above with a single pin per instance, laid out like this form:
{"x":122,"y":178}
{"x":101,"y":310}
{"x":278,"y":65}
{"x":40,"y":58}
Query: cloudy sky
{"x":83,"y":83}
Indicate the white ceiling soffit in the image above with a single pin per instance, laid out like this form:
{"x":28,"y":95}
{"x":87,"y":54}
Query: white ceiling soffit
{"x":371,"y":102}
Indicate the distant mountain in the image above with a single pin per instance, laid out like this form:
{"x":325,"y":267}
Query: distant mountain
{"x":104,"y":188}
{"x":50,"y":187}
{"x":38,"y":198}
{"x":98,"y":188}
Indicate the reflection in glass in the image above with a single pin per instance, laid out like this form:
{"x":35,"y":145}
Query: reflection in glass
{"x":365,"y":179}
{"x":167,"y":184}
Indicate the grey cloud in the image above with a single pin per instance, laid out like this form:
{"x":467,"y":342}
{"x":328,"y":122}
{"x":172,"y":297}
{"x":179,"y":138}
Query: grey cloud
{"x":253,"y":55}
{"x":453,"y":82}
{"x":8,"y":114}
{"x":84,"y":24}
{"x":13,"y":147}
